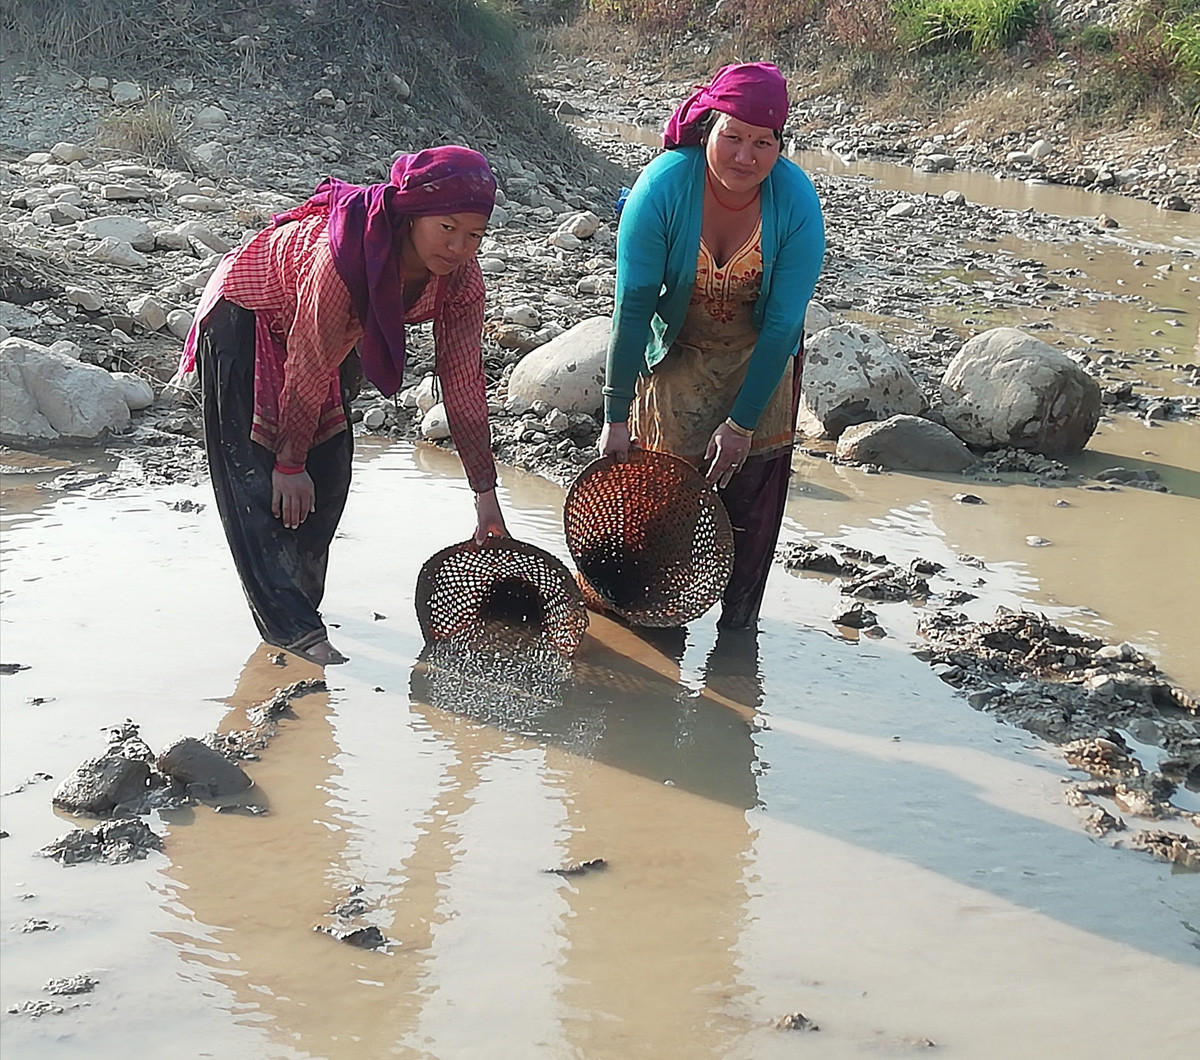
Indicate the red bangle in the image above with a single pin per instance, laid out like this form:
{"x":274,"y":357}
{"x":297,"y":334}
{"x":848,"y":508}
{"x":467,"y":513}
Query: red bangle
{"x":289,"y":469}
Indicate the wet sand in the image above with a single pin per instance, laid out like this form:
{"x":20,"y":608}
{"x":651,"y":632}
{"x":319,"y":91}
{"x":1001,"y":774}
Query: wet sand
{"x":868,"y":850}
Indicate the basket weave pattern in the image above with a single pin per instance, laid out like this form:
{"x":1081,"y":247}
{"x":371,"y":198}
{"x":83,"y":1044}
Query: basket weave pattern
{"x":652,"y":542}
{"x":501,"y":592}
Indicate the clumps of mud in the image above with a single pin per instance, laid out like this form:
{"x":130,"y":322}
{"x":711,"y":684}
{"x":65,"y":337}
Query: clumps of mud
{"x":347,"y":923}
{"x":796,"y":1021}
{"x":127,"y":781}
{"x":1077,"y":691}
{"x":579,"y":868}
{"x":1022,"y":461}
{"x":111,"y":843}
{"x":1069,"y":688}
{"x":866,"y":576}
{"x":1061,"y":684}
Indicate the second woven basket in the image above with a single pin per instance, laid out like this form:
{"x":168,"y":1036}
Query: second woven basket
{"x":650,"y":539}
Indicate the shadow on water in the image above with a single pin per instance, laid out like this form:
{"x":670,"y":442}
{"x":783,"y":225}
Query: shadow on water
{"x":619,"y":701}
{"x":824,"y":756}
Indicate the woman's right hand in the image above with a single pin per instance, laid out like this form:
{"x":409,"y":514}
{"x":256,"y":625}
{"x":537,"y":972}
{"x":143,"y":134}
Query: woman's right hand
{"x":614,"y":441}
{"x":293,"y":497}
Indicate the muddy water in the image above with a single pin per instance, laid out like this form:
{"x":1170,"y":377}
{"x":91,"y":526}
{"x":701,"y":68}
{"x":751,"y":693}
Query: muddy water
{"x":1121,"y":565}
{"x":797,"y":824}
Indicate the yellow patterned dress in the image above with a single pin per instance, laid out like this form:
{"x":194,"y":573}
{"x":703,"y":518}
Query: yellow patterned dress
{"x":691,"y":391}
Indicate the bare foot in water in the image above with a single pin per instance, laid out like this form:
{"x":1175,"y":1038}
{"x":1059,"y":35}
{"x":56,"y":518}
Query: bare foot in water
{"x":322,"y":653}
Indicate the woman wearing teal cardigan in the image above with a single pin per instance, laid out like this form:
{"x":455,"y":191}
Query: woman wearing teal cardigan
{"x":719,"y":248}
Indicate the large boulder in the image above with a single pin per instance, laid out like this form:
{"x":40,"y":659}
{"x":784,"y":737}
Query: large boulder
{"x":904,"y":443}
{"x":1005,"y":389}
{"x":48,"y":397}
{"x":852,"y":376}
{"x":568,"y":371}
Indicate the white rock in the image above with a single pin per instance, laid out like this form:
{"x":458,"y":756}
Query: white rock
{"x":564,"y":240}
{"x":604,"y":285}
{"x":68,"y":152}
{"x":138,"y":393}
{"x":566,"y":373}
{"x":902,"y":209}
{"x":126,"y":92}
{"x":98,"y":85}
{"x":117,"y":252}
{"x":816,"y":318}
{"x":132,"y":230}
{"x":375,"y":417}
{"x":210,"y":119}
{"x":14,"y":317}
{"x":200,"y":203}
{"x":434,"y":424}
{"x":127,"y":192}
{"x":179,"y":323}
{"x":214,"y":155}
{"x":68,"y":349}
{"x":66,"y":193}
{"x":492,"y":266}
{"x":523,"y":314}
{"x":147,"y":312}
{"x":85,"y":299}
{"x":904,"y":443}
{"x":1005,"y":388}
{"x":425,"y":394}
{"x":1041,"y":149}
{"x":49,"y":397}
{"x":582,"y":225}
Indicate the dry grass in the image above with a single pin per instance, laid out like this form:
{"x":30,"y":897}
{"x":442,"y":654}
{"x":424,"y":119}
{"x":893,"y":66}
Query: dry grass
{"x":150,"y":132}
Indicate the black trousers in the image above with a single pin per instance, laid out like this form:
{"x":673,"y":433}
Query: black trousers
{"x":282,"y":571}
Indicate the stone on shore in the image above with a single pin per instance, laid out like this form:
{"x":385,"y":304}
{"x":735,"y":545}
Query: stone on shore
{"x":566,"y":373}
{"x":904,"y":443}
{"x":1006,"y":389}
{"x":48,"y":397}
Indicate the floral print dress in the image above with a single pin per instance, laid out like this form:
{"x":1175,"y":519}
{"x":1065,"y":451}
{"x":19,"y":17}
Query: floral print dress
{"x":691,"y":390}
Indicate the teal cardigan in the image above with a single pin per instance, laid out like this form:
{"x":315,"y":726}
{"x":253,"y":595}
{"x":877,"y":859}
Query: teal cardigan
{"x":658,"y":242}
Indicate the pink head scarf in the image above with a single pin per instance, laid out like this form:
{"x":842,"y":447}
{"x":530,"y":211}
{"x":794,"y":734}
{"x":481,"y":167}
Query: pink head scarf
{"x":363,"y":225}
{"x":755,"y":93}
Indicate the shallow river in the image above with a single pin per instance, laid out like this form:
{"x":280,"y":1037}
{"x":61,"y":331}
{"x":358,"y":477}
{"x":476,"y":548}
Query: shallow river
{"x":799,"y":823}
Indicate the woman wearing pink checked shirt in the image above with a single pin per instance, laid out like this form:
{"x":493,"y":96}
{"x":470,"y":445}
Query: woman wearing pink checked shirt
{"x":276,"y":325}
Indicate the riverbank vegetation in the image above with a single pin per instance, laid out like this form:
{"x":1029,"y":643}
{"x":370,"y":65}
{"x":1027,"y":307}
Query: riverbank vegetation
{"x":1114,"y":62}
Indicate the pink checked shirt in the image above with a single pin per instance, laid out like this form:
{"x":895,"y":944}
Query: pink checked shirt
{"x":306,"y":325}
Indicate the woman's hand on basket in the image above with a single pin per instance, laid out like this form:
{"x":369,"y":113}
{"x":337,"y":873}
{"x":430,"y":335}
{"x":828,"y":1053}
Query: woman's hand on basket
{"x":615,"y":441}
{"x":727,"y":450}
{"x":489,"y":520}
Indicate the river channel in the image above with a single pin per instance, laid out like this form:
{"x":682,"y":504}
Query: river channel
{"x":793,"y":823}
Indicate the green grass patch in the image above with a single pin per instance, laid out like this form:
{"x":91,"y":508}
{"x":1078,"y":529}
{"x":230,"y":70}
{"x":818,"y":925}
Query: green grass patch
{"x":973,"y":25}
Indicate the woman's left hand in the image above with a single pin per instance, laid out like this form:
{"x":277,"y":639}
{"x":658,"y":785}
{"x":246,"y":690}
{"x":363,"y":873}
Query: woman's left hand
{"x":490,"y":523}
{"x":727,"y":450}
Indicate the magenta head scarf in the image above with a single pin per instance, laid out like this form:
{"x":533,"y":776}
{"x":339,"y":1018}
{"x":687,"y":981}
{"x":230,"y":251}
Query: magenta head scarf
{"x":364,"y":224}
{"x":755,"y":93}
